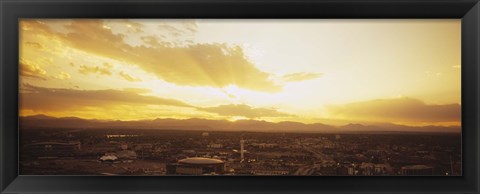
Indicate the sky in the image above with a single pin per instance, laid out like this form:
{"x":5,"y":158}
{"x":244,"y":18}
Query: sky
{"x":331,"y":71}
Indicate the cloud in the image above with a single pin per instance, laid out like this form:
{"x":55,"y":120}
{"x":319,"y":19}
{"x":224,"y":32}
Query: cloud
{"x":128,"y":77}
{"x":55,"y":99}
{"x":170,"y":29}
{"x":35,"y":25}
{"x":94,"y":70}
{"x":298,"y":77}
{"x":51,"y":100}
{"x":244,"y":110}
{"x":63,"y":76}
{"x":151,"y":40}
{"x":107,"y":65}
{"x":45,"y":39}
{"x":190,"y":25}
{"x":138,"y":90}
{"x":134,"y":27}
{"x":182,"y":27}
{"x":29,"y":69}
{"x":398,"y":110}
{"x":215,"y":65}
{"x":35,"y":45}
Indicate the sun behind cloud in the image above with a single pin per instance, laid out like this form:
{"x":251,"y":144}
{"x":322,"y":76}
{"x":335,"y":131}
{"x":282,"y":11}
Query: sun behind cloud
{"x":307,"y":70}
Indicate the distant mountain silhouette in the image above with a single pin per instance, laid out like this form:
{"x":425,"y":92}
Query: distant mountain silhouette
{"x":41,"y":117}
{"x":43,"y":121}
{"x":360,"y":127}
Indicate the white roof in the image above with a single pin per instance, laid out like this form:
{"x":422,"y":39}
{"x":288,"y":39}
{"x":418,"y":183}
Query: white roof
{"x":200,"y":160}
{"x":108,"y":157}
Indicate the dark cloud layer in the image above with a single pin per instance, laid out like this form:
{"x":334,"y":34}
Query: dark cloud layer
{"x":399,"y":110}
{"x":52,"y":99}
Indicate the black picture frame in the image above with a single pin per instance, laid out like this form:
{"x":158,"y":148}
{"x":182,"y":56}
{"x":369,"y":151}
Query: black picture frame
{"x":12,"y":10}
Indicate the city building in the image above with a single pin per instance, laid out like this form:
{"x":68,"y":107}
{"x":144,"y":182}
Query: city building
{"x":53,"y":148}
{"x":417,"y":170}
{"x":108,"y":157}
{"x":126,"y":155}
{"x":205,"y":134}
{"x":215,"y":145}
{"x":197,"y":166}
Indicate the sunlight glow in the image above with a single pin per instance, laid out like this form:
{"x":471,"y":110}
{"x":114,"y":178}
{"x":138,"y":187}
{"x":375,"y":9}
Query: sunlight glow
{"x":333,"y":71}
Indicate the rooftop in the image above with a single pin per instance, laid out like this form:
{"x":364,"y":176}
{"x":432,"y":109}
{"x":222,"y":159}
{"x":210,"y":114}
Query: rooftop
{"x":416,"y":167}
{"x":200,"y":160}
{"x":54,"y":143}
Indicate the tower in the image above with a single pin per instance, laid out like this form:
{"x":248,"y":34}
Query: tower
{"x":242,"y":150}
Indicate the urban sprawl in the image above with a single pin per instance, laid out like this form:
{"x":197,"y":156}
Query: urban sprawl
{"x":182,"y":152}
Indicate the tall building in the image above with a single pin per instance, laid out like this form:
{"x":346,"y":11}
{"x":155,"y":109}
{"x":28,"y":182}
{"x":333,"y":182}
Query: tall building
{"x":242,"y":150}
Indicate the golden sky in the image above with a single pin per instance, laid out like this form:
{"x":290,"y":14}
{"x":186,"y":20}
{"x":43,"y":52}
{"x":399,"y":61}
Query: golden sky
{"x":396,"y":71}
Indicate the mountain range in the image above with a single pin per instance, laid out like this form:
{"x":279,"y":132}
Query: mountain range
{"x":43,"y":121}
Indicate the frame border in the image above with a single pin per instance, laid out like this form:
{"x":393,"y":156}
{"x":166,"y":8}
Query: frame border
{"x":12,"y":10}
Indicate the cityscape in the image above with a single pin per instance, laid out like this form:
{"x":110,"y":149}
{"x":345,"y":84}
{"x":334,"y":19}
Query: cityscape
{"x":240,"y":97}
{"x":80,"y":151}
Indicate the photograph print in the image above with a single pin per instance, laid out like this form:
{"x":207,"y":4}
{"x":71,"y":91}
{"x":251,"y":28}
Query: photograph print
{"x":240,"y":97}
